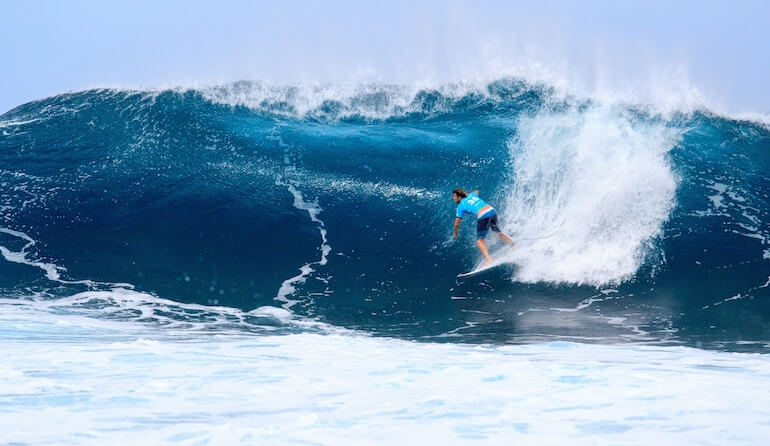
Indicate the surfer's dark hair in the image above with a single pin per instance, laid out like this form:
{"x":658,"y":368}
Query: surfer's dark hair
{"x":460,"y":192}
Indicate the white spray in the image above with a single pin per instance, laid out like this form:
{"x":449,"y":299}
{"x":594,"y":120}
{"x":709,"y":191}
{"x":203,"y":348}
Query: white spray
{"x":599,"y":183}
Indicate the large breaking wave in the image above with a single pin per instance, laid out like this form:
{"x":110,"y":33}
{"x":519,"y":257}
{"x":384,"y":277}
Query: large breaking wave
{"x":335,"y":202}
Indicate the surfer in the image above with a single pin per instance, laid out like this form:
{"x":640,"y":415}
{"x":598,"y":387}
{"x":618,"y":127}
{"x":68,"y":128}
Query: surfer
{"x":486,"y":218}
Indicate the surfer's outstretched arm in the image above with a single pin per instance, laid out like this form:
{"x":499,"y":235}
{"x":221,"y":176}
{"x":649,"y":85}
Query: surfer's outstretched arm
{"x":457,"y":226}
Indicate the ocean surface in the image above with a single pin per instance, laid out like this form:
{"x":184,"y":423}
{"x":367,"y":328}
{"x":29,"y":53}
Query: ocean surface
{"x":261,"y":264}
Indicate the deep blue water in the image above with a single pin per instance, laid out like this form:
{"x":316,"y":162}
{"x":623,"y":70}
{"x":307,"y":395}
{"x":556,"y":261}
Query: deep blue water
{"x":635,"y":226}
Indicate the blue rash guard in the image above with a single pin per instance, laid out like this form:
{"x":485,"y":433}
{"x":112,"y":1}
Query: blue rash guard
{"x":486,"y":216}
{"x":472,"y":204}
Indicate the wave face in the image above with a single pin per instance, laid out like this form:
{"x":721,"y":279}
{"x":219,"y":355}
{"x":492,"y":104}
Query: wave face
{"x":335,"y":203}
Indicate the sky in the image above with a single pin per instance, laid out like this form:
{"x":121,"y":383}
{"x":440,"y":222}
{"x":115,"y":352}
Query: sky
{"x":675,"y":53}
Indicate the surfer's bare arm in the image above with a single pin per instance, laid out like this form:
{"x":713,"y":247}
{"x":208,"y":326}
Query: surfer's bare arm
{"x":457,"y":226}
{"x":476,"y":191}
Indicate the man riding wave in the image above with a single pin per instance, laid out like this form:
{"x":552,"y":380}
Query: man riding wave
{"x":486,"y":218}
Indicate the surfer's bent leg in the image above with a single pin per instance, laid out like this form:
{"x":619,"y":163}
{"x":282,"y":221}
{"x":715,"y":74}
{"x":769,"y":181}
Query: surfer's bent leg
{"x":496,"y":230}
{"x":505,"y":238}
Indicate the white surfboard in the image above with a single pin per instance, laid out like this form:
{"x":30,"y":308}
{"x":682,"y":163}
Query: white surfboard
{"x":481,"y":268}
{"x":500,"y":258}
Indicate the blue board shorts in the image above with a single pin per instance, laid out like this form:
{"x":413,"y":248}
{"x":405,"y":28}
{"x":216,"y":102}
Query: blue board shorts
{"x":483,"y":225}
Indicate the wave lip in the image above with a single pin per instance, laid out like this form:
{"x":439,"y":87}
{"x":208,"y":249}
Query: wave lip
{"x":372,"y":101}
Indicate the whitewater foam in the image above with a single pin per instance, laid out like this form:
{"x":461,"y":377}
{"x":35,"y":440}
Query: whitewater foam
{"x":120,"y":301}
{"x":113,"y":382}
{"x":372,"y":101}
{"x":15,"y":123}
{"x":289,"y":286}
{"x":382,"y":101}
{"x":52,"y":271}
{"x":607,"y":178}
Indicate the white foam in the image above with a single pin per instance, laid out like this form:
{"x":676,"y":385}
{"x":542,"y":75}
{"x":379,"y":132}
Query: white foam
{"x":16,"y":123}
{"x":664,"y":91}
{"x":52,"y":271}
{"x":731,"y":298}
{"x":153,"y":316}
{"x":384,"y":189}
{"x":605,"y":177}
{"x":382,"y":101}
{"x":328,"y":181}
{"x":374,"y":101}
{"x":278,"y":313}
{"x":735,"y":203}
{"x":113,"y":384}
{"x":289,"y":286}
{"x":717,"y":198}
{"x":108,"y":300}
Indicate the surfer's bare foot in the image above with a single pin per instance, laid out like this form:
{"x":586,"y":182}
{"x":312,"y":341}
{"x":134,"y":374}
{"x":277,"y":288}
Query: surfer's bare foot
{"x":487,"y":262}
